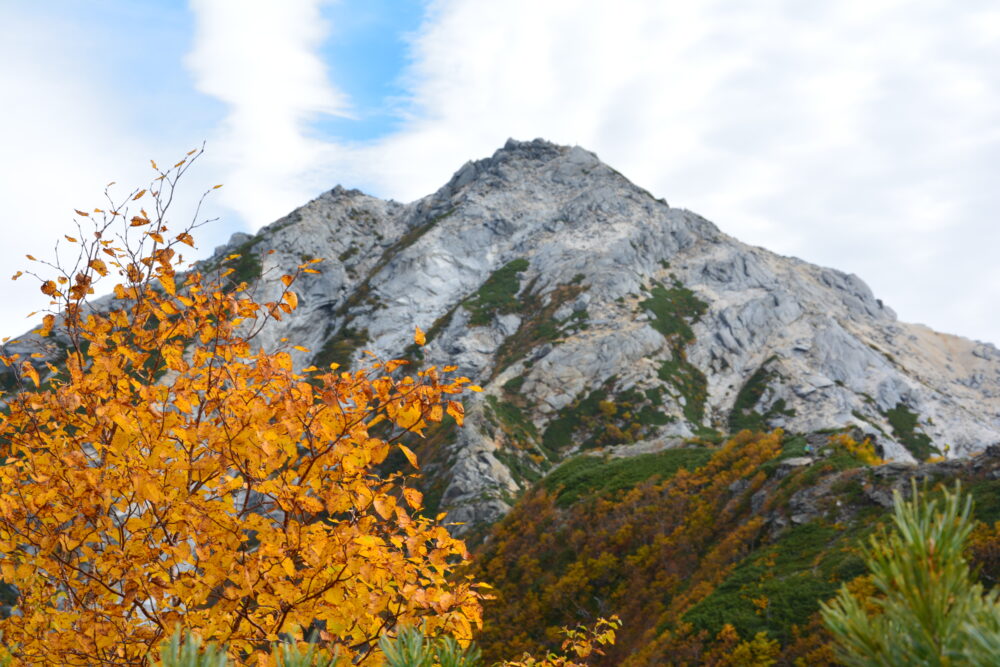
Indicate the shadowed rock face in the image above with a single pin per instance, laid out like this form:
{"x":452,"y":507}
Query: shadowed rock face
{"x":595,"y":315}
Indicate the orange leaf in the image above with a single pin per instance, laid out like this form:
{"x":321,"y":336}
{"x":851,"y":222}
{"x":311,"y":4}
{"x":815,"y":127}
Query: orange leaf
{"x":410,"y":456}
{"x":456,"y":410}
{"x":47,"y":323}
{"x":384,"y":506}
{"x":81,"y":213}
{"x":414,"y":498}
{"x":418,"y":336}
{"x":99,"y":266}
{"x":29,"y":370}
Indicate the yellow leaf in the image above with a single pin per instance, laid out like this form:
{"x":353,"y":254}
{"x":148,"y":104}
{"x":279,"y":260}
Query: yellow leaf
{"x":99,"y":266}
{"x":29,"y":370}
{"x":47,"y":323}
{"x":81,"y":213}
{"x":292,"y":299}
{"x":289,"y":566}
{"x":152,"y":162}
{"x":410,"y":456}
{"x":414,"y":498}
{"x":167,"y":281}
{"x":286,"y":280}
{"x":418,"y":336}
{"x":216,"y":187}
{"x":139,"y":195}
{"x":151,"y":492}
{"x":384,"y":506}
{"x":456,"y":410}
{"x":70,"y":239}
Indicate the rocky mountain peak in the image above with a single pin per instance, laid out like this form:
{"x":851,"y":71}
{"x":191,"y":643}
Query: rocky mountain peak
{"x":598,"y":318}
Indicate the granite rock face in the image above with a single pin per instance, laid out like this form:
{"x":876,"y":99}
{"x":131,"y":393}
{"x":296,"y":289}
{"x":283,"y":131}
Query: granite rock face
{"x":595,"y":315}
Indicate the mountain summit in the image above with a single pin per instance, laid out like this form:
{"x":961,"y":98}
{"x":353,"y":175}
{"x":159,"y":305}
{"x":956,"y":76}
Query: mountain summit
{"x":596,"y":316}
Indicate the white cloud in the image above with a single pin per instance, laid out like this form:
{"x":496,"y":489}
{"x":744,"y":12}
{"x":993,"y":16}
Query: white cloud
{"x":68,"y":126}
{"x":260,"y":58}
{"x":860,"y":134}
{"x":60,"y":145}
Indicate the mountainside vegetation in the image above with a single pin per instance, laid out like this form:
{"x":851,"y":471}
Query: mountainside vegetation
{"x":181,"y":485}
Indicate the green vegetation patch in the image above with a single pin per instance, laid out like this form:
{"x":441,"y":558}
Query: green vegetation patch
{"x":340,"y":349}
{"x":538,"y":323}
{"x":781,"y":585}
{"x":986,"y":496}
{"x":744,"y":414}
{"x":586,"y":475}
{"x":246,"y":267}
{"x":673,"y":308}
{"x":690,"y":383}
{"x":518,"y":427}
{"x":904,"y":427}
{"x":605,"y":418}
{"x":498,"y":295}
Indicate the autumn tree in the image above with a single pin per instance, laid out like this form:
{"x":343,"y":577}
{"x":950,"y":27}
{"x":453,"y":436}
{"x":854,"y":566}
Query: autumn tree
{"x":159,"y":470}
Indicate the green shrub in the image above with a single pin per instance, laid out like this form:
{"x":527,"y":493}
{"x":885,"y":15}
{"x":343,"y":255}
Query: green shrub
{"x":929,"y":610}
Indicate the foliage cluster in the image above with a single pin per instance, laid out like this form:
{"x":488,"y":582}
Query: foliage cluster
{"x":604,"y":418}
{"x":674,"y":310}
{"x":498,"y":295}
{"x":926,"y":609}
{"x":648,"y":554}
{"x":905,"y":427}
{"x":744,"y":414}
{"x":170,"y":473}
{"x":584,"y":475}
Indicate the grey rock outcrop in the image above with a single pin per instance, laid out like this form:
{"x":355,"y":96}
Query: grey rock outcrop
{"x":595,"y":315}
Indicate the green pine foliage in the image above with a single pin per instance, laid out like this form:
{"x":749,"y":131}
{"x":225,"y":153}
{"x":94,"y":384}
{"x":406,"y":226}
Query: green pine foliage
{"x":929,"y":610}
{"x":187,"y":650}
{"x":410,"y":648}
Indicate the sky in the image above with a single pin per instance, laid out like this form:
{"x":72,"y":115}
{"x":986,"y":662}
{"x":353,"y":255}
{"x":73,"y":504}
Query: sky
{"x":858,"y":134}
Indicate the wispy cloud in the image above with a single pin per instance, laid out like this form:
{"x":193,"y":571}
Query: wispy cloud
{"x":859,"y":134}
{"x":261,"y":59}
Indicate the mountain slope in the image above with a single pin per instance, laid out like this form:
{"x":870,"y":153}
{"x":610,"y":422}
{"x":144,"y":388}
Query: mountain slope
{"x":597,"y":316}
